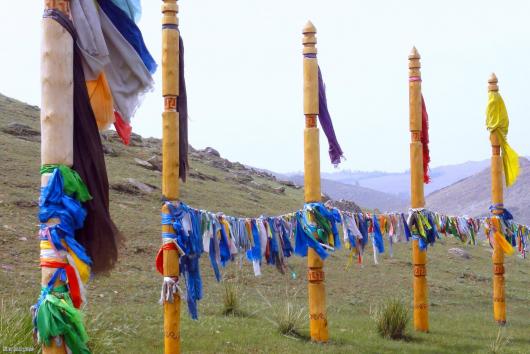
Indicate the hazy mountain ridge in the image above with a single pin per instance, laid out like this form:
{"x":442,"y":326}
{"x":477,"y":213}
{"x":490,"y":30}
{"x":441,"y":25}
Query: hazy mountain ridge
{"x":399,"y":183}
{"x":365,"y":197}
{"x":472,"y":195}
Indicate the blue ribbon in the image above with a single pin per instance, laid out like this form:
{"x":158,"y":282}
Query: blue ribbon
{"x":54,"y":203}
{"x":254,"y":254}
{"x":287,"y":247}
{"x":363,"y":229}
{"x":378,"y":237}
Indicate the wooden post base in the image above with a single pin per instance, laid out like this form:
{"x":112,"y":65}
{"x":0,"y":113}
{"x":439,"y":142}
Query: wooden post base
{"x":318,"y":322}
{"x":421,"y":305}
{"x":499,"y":299}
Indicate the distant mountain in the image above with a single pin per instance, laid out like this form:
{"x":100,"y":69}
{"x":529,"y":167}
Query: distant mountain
{"x":399,"y":183}
{"x":365,"y":197}
{"x":472,"y":196}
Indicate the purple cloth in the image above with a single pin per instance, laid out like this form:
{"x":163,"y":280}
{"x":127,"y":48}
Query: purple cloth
{"x":335,"y":152}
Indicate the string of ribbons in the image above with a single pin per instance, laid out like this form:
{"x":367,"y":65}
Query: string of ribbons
{"x":271,"y":240}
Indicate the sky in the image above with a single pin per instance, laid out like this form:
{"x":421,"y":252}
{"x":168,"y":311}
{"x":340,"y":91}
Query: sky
{"x":244,"y":75}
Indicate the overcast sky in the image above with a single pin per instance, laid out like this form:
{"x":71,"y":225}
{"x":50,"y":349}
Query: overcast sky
{"x":244,"y":75}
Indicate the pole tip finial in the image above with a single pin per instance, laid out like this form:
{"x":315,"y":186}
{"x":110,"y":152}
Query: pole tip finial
{"x":309,"y":28}
{"x":493,"y":83}
{"x":414,"y":54}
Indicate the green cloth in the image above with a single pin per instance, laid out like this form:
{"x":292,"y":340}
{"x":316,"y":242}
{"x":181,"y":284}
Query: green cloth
{"x":57,"y":316}
{"x":73,"y":184}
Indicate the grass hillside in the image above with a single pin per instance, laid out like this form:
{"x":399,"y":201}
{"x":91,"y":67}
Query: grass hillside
{"x":123,"y":315}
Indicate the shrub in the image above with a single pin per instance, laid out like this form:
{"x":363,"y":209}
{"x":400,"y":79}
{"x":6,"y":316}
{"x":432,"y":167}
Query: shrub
{"x":288,"y":317}
{"x":290,"y":320}
{"x":231,"y":303}
{"x":498,"y":345}
{"x":391,"y":319}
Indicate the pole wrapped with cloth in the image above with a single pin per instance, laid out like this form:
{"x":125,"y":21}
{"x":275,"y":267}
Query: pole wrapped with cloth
{"x":55,"y":317}
{"x":497,"y":123}
{"x":87,"y":62}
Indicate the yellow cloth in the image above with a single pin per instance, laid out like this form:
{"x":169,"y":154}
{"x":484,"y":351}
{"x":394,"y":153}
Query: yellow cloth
{"x":101,"y":101}
{"x":82,"y":268}
{"x":45,"y":245}
{"x":497,"y":122}
{"x":249,"y":232}
{"x":500,"y":239}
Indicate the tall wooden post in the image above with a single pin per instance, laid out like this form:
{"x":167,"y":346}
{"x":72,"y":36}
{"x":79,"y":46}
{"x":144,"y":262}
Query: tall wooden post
{"x":57,"y":113}
{"x":417,"y":200}
{"x":170,"y":161}
{"x":318,"y":323}
{"x":499,"y":304}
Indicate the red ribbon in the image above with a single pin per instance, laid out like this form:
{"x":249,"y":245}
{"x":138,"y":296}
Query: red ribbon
{"x":159,"y":261}
{"x":123,"y":128}
{"x":73,"y":284}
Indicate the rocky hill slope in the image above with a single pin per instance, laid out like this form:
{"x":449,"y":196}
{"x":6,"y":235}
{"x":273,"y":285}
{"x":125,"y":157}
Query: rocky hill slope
{"x":134,"y":174}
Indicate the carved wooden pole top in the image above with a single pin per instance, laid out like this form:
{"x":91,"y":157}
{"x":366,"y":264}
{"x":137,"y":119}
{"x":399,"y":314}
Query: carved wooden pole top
{"x":170,"y":10}
{"x":61,"y":5}
{"x":414,"y":63}
{"x":493,"y":83}
{"x":494,"y":138}
{"x":309,"y":39}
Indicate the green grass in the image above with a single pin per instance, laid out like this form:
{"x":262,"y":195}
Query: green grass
{"x":123,"y":314}
{"x":16,"y":329}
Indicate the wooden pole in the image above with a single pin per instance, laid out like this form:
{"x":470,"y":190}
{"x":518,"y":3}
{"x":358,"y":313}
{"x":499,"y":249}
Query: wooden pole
{"x":170,"y":160}
{"x":57,"y":114}
{"x":318,"y":324}
{"x":419,"y":257}
{"x":499,"y":304}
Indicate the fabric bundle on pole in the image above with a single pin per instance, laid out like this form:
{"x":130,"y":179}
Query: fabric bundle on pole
{"x":422,"y":228}
{"x":497,"y":123}
{"x":116,"y":62}
{"x":316,"y":228}
{"x":186,"y":238}
{"x":98,"y":235}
